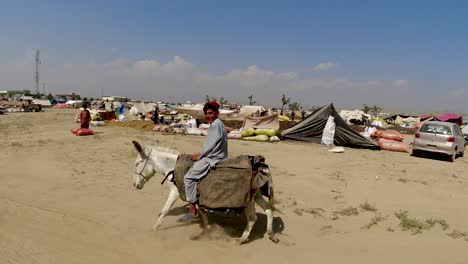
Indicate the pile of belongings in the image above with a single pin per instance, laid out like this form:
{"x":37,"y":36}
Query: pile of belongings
{"x":260,"y":129}
{"x":390,"y":140}
{"x":61,"y":106}
{"x":260,"y":135}
{"x":98,"y":123}
{"x":83,"y":132}
{"x":172,"y":128}
{"x":377,"y":121}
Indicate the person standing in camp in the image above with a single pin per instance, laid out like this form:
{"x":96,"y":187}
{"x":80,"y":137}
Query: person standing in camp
{"x":85,"y":118}
{"x":215,"y":149}
{"x":156,"y":115}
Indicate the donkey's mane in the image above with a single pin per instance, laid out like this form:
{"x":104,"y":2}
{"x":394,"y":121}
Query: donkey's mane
{"x":162,"y":148}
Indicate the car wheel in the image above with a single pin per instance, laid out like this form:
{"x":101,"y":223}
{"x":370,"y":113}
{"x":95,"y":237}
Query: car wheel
{"x":462,"y":153}
{"x":414,"y":153}
{"x":453,"y":157}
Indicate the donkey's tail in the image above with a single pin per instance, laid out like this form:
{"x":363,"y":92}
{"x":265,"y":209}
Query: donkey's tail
{"x":271,"y":201}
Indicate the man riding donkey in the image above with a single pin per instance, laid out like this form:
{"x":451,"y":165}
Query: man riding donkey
{"x":215,"y":149}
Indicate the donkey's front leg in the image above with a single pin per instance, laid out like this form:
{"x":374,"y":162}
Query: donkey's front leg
{"x":204,"y":217}
{"x":173,"y":196}
{"x":251,"y":219}
{"x":269,"y":213}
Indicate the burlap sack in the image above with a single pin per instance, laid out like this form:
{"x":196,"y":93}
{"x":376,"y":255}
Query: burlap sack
{"x":226,"y":186}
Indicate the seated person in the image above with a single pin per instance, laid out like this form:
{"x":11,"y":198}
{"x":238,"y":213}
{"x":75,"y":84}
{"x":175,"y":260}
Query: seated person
{"x":215,"y":149}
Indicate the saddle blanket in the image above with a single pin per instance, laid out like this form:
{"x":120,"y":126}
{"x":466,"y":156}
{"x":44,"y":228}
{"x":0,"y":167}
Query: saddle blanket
{"x":227,"y":185}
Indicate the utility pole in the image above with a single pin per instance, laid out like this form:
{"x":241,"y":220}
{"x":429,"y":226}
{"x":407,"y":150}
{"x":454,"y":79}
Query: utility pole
{"x":38,"y":61}
{"x":43,"y":88}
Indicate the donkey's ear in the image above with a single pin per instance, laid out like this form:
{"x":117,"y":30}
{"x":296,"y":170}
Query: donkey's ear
{"x":137,"y":146}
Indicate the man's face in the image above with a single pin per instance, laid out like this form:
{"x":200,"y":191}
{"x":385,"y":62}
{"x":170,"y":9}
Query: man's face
{"x":210,"y":116}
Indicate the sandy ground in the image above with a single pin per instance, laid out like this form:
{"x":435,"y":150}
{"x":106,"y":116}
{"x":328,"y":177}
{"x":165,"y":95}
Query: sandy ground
{"x":69,"y":199}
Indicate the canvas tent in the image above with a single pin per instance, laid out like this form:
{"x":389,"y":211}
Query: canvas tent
{"x":266,"y":122}
{"x":44,"y":103}
{"x":407,"y":122}
{"x":142,"y":108}
{"x":311,"y":130}
{"x":452,"y":118}
{"x":465,"y":130}
{"x":351,"y":116}
{"x":248,"y":110}
{"x":428,"y":118}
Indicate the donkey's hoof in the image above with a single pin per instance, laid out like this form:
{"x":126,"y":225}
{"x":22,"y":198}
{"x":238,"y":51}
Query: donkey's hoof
{"x":274,"y":238}
{"x":240,"y":241}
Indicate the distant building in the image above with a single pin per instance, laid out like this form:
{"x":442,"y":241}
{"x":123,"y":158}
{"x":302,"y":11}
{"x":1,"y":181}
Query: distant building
{"x":13,"y":94}
{"x":114,"y":99}
{"x":72,"y":96}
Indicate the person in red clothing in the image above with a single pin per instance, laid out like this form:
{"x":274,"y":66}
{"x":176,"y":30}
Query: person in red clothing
{"x":85,"y":118}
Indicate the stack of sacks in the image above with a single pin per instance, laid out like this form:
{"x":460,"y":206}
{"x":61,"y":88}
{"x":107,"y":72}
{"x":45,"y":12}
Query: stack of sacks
{"x":391,"y":140}
{"x":260,"y":135}
{"x":179,"y":130}
{"x":204,"y":129}
{"x":234,"y":134}
{"x":194,"y":131}
{"x":161,"y":128}
{"x":98,"y":123}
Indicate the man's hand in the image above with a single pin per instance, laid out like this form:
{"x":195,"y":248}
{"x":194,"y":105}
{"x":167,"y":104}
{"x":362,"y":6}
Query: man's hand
{"x":196,"y":156}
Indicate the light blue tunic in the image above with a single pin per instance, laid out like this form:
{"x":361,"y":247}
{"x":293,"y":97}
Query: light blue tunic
{"x":214,"y":150}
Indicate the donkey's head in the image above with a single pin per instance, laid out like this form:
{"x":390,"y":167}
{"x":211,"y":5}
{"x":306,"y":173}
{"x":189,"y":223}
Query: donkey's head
{"x":144,"y":165}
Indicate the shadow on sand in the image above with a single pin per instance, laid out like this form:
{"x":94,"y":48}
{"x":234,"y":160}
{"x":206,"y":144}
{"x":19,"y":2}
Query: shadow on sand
{"x":231,"y":224}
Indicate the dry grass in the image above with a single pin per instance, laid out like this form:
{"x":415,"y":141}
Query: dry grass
{"x":368,"y":207}
{"x":16,"y":144}
{"x":311,"y":211}
{"x":349,"y":211}
{"x":418,"y":226}
{"x":455,"y":234}
{"x":374,"y":221}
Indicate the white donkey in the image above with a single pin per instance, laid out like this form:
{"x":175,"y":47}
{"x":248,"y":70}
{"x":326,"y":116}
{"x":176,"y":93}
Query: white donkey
{"x":154,"y":159}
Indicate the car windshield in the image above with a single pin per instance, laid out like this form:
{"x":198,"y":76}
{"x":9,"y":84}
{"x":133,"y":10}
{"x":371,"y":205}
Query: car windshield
{"x":436,"y":129}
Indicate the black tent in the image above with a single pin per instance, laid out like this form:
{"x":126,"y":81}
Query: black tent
{"x":311,"y":129}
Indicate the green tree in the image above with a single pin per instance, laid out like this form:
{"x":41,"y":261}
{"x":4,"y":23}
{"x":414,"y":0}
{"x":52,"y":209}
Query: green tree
{"x":365,"y":108}
{"x":375,"y":110}
{"x":85,"y":99}
{"x":207,"y":98}
{"x":251,"y":101}
{"x":222,"y":101}
{"x":295,"y":106}
{"x":91,"y":99}
{"x":284,"y":101}
{"x":27,"y":92}
{"x":50,"y":96}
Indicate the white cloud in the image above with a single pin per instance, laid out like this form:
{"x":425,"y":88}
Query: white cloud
{"x":181,"y":80}
{"x":457,"y":92}
{"x":400,"y":83}
{"x":325,"y":66}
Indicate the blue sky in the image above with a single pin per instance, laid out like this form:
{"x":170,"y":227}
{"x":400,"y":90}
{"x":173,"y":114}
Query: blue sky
{"x":409,"y":55}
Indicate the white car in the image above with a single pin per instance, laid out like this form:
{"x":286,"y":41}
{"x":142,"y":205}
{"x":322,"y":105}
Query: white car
{"x":439,"y":137}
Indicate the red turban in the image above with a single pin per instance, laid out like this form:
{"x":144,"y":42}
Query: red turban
{"x":211,"y":105}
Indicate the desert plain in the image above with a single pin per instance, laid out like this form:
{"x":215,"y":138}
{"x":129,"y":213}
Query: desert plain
{"x":70,"y":199}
